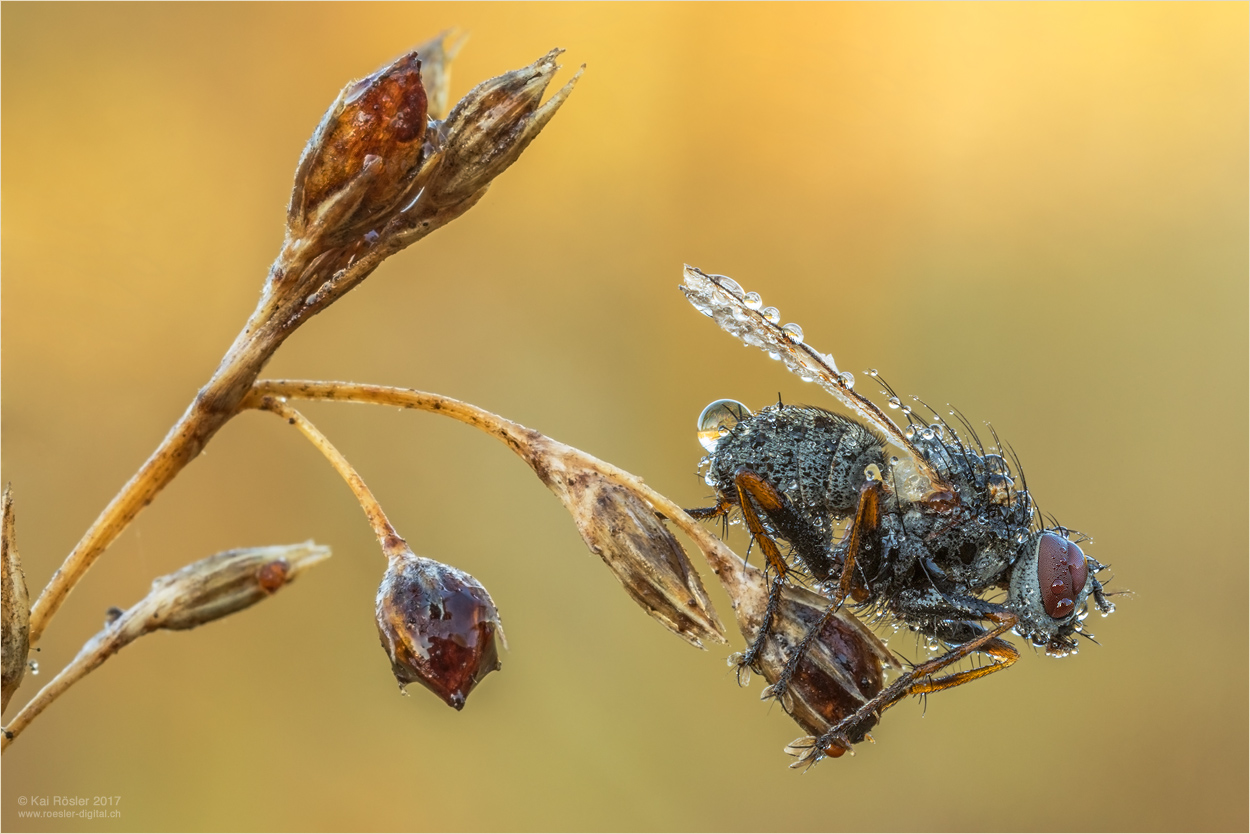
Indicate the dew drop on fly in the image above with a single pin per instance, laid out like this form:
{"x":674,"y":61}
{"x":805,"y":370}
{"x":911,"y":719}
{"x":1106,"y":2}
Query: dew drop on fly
{"x":718,"y":419}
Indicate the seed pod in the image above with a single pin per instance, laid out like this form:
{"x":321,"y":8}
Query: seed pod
{"x":437,"y":624}
{"x":16,"y":605}
{"x":224,"y":583}
{"x":622,"y":529}
{"x":841,"y":668}
{"x":361,"y":161}
{"x":489,"y":128}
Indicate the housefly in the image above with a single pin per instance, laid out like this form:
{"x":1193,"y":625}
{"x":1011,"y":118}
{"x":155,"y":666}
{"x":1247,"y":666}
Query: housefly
{"x":919,"y":525}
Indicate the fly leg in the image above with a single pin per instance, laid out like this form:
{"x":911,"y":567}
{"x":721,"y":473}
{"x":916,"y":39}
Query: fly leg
{"x":753,"y":491}
{"x":919,"y":680}
{"x":863,"y":535}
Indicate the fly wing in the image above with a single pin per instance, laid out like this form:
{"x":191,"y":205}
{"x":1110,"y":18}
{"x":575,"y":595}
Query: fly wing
{"x":742,"y":315}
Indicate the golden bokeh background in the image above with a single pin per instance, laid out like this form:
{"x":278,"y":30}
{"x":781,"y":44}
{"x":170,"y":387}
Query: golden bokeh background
{"x":1035,"y":212}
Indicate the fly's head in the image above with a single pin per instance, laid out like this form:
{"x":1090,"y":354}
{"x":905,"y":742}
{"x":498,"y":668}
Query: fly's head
{"x":1051,"y":583}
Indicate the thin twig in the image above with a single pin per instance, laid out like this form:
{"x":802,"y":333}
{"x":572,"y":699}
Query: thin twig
{"x":723,"y":561}
{"x":381,"y":525}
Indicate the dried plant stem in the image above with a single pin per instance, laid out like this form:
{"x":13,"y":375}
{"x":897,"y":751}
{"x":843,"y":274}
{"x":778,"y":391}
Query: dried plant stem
{"x":213,"y":405}
{"x":97,"y":650}
{"x":381,"y":525}
{"x":724,"y":562}
{"x":294,"y":292}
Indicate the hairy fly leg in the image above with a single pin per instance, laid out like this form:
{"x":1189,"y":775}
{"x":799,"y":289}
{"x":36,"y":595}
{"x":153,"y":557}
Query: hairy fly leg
{"x":863,"y":536}
{"x":919,"y":679}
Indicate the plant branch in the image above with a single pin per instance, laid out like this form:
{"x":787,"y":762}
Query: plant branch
{"x":366,"y":187}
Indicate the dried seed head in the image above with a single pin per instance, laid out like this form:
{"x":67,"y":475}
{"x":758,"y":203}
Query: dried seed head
{"x":358,"y":168}
{"x":438,"y":626}
{"x":15,"y":603}
{"x":623,"y":530}
{"x":841,"y":669}
{"x":489,"y":128}
{"x":225,"y":583}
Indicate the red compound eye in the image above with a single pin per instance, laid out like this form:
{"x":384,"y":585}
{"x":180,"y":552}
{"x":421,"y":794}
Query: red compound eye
{"x":1061,"y":574}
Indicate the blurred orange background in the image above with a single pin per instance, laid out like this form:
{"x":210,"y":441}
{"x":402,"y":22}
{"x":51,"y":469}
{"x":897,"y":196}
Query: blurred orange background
{"x":1035,"y":212}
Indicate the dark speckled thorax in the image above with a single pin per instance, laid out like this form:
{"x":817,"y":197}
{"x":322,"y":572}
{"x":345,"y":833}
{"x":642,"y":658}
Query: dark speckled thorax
{"x":816,"y":458}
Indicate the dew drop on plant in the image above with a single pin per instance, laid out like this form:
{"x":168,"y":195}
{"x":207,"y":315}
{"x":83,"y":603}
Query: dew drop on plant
{"x":753,"y":301}
{"x":894,"y":402}
{"x":847,"y":379}
{"x":771,"y":314}
{"x":872,"y":372}
{"x":772,"y":354}
{"x":34,"y":667}
{"x":730,"y":285}
{"x":794,"y":332}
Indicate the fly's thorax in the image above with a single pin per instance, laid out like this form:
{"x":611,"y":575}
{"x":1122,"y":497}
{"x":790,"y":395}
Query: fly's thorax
{"x":816,"y":458}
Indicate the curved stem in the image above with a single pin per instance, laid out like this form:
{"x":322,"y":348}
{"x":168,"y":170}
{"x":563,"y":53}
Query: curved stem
{"x":723,"y":561}
{"x":381,"y":525}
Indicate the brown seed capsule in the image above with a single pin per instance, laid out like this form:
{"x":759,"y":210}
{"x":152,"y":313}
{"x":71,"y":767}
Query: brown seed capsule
{"x":16,"y":606}
{"x":622,"y":529}
{"x":224,"y":583}
{"x":489,"y":128}
{"x":358,"y":168}
{"x":841,"y":668}
{"x":438,"y":626}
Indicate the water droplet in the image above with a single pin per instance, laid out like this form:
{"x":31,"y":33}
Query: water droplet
{"x":718,"y":419}
{"x":34,"y":667}
{"x":753,"y":301}
{"x":729,"y":285}
{"x":772,"y":354}
{"x":926,"y":433}
{"x":894,"y":402}
{"x":846,"y":378}
{"x":794,"y":332}
{"x":771,"y":314}
{"x":872,"y":372}
{"x":910,"y":432}
{"x":938,"y":430}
